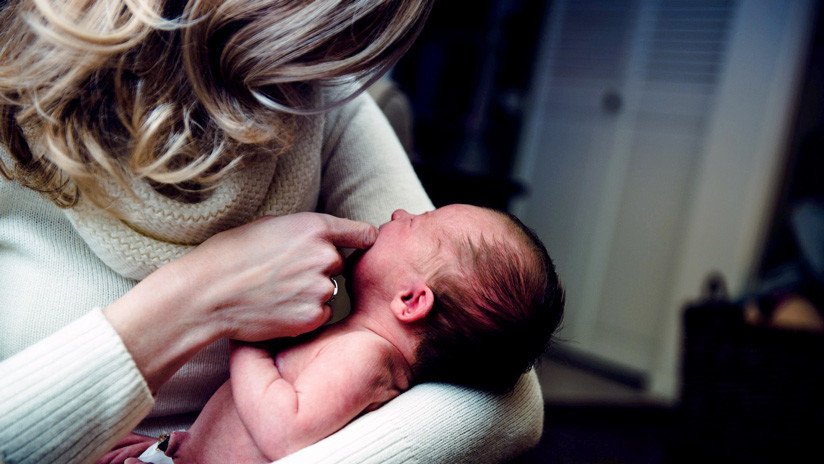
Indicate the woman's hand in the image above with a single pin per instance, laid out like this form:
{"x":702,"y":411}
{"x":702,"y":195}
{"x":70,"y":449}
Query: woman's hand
{"x":271,"y":278}
{"x":266,"y":279}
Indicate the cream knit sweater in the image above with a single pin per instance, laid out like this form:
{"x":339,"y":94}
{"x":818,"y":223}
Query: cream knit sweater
{"x":68,"y":387}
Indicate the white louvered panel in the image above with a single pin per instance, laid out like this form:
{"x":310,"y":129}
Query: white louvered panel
{"x":651,"y":121}
{"x":688,"y":41}
{"x":682,"y":50}
{"x":593,"y":40}
{"x":586,"y":55}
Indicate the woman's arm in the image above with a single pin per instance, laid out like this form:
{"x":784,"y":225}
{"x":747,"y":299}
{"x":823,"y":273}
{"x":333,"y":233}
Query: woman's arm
{"x":70,"y":396}
{"x":263,"y":280}
{"x":438,"y":424}
{"x":366,"y":173}
{"x":73,"y":394}
{"x":366,"y":176}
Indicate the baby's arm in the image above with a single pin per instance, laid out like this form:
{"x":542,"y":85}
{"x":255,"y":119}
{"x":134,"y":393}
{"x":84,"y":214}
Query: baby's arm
{"x":348,"y":376}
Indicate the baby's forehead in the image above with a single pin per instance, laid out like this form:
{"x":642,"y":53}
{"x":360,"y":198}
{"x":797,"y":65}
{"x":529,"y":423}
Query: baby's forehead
{"x":460,"y":235}
{"x":467,"y":221}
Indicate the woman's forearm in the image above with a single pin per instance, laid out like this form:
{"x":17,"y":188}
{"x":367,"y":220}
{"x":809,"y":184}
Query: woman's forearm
{"x":163,"y":322}
{"x":70,"y":396}
{"x":413,"y":426}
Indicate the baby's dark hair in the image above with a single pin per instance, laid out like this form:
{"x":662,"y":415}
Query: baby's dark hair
{"x":494,"y":312}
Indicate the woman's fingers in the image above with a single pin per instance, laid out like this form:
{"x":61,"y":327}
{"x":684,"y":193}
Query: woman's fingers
{"x":329,"y":258}
{"x":345,"y":233}
{"x":271,"y":278}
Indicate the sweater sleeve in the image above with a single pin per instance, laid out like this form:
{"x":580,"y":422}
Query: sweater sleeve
{"x":366,"y":175}
{"x":69,"y":397}
{"x":437,"y":424}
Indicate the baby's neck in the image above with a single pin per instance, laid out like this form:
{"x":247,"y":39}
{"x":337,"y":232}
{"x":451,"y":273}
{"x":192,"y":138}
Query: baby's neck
{"x":384,"y":324}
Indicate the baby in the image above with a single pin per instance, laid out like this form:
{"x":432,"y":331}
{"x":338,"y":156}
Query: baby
{"x":463,"y":295}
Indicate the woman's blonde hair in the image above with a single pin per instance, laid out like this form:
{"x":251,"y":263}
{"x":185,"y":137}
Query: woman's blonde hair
{"x":176,"y":93}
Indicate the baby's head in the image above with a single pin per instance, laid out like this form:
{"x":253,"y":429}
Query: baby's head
{"x":477,"y":286}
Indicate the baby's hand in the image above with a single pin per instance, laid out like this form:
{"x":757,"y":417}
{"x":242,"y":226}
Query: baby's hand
{"x":127,"y":449}
{"x":166,"y":450}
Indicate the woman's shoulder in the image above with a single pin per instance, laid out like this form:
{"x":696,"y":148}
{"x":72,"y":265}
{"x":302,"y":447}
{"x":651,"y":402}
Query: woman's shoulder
{"x":346,"y":101}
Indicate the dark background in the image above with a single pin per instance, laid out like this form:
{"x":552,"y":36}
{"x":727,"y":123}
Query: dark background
{"x":467,"y":78}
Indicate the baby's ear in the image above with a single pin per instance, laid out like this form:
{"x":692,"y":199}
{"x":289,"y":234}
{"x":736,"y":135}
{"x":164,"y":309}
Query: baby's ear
{"x":413,"y":304}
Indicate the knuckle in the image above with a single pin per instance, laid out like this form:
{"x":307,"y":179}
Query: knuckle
{"x":312,"y":318}
{"x":329,"y":255}
{"x":320,"y":316}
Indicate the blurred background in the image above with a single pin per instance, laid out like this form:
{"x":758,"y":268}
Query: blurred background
{"x":669,"y":154}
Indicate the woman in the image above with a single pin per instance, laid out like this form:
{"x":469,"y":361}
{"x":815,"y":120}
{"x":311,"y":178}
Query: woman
{"x":140,"y":154}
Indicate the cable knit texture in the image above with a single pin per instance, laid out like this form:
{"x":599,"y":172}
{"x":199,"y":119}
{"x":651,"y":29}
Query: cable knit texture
{"x":157,"y":229}
{"x":68,"y":387}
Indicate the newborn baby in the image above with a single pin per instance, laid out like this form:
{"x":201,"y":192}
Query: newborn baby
{"x":463,"y":294}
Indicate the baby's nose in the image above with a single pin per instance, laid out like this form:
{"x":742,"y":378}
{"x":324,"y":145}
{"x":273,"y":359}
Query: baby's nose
{"x":399,"y":214}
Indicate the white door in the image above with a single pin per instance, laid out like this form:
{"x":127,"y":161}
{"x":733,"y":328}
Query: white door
{"x":627,"y":106}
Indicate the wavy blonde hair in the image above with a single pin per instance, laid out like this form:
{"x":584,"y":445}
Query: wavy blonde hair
{"x":176,"y":93}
